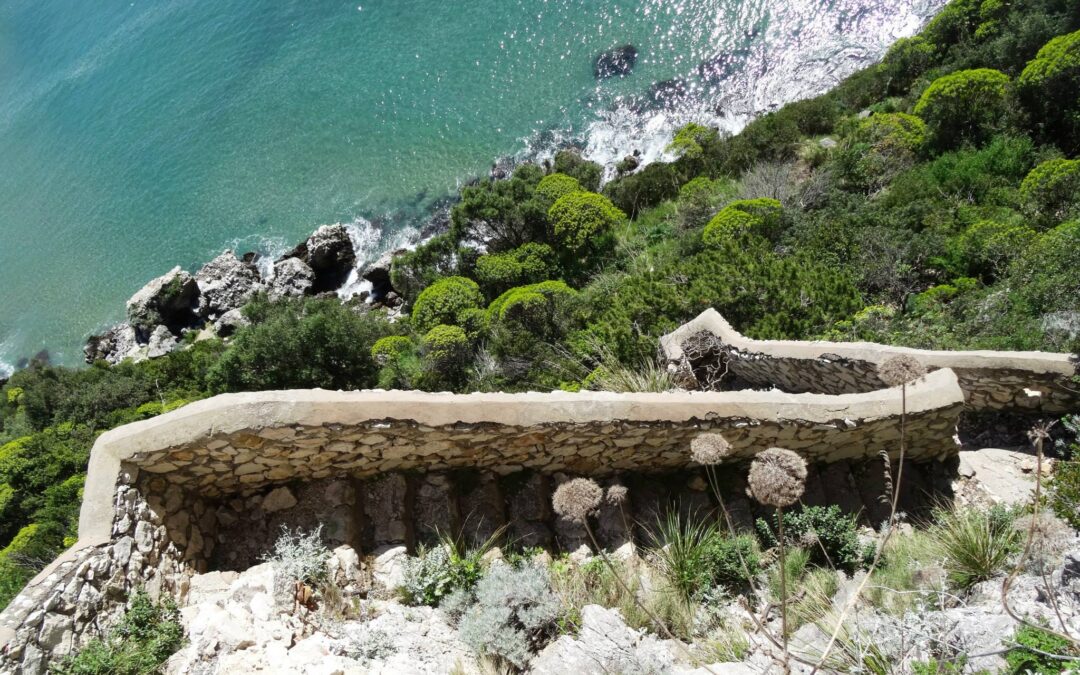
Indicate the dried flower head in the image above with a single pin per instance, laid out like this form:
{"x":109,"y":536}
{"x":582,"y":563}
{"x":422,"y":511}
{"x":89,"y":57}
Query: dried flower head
{"x":709,"y":449}
{"x":900,"y":370}
{"x":617,"y":494}
{"x":777,"y":477}
{"x":576,"y":499}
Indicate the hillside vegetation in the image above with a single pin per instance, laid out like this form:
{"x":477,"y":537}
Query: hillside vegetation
{"x":931,"y":201}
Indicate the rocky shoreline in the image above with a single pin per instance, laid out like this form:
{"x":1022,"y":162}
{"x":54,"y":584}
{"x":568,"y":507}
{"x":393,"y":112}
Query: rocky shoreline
{"x":163,"y":313}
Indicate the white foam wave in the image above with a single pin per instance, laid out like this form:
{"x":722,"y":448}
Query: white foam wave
{"x":370,"y":242}
{"x":833,"y":41}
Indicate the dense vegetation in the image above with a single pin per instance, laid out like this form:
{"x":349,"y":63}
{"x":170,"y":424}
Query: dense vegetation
{"x":942,"y":211}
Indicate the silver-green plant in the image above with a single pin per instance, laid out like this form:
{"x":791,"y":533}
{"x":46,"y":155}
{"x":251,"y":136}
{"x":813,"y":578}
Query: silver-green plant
{"x":299,"y":555}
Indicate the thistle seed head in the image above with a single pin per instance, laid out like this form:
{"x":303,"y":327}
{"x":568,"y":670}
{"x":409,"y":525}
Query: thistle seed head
{"x":899,"y":370}
{"x":576,"y":499}
{"x":617,"y":494}
{"x":709,"y":449}
{"x":777,"y":477}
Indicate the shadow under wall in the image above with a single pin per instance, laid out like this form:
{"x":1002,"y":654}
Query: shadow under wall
{"x":412,"y":508}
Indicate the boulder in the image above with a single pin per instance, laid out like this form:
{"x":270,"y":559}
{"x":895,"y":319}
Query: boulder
{"x":378,"y":273}
{"x":278,"y":499}
{"x":615,"y":62}
{"x":330,"y":255}
{"x":113,"y":346}
{"x":605,"y":644}
{"x":225,"y":283}
{"x":161,"y":342}
{"x":170,"y":300}
{"x":292,"y":278}
{"x":230,"y":322}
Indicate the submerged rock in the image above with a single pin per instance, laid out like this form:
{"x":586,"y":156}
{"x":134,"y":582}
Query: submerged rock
{"x":226,"y":283}
{"x":170,"y":300}
{"x":330,"y":255}
{"x":615,"y":62}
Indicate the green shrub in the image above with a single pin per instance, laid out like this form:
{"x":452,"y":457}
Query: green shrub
{"x":571,"y":163}
{"x":391,"y":348}
{"x":1030,"y":656}
{"x":989,"y":247}
{"x":582,"y":220}
{"x":976,"y":544}
{"x":645,"y":188}
{"x":732,"y":563}
{"x":1046,"y":276}
{"x":1064,"y":491}
{"x":503,"y":214}
{"x":300,"y":344}
{"x":528,"y":264}
{"x":1050,"y":191}
{"x":906,"y":61}
{"x":892,"y":132}
{"x":965,"y":105}
{"x":444,"y":302}
{"x":760,"y":217}
{"x":441,"y":256}
{"x":526,"y":321}
{"x":436,"y":573}
{"x":514,"y":615}
{"x":445,"y":345}
{"x":700,"y":199}
{"x":829,"y":536}
{"x":145,"y":638}
{"x":553,"y":186}
{"x":691,"y":140}
{"x":299,"y":555}
{"x":1048,"y":86}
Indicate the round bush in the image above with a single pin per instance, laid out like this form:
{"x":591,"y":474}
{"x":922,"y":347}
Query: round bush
{"x":556,"y":185}
{"x":990,"y":246}
{"x":580,"y":218}
{"x":444,"y":301}
{"x":965,"y":105}
{"x":390,"y":348}
{"x":445,"y":345}
{"x":528,"y":263}
{"x":729,"y":224}
{"x":1050,"y":191}
{"x":757,"y":216}
{"x":891,"y":132}
{"x":1048,"y":86}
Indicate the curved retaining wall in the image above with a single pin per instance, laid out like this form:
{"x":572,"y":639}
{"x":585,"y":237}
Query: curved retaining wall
{"x":160,"y":493}
{"x":991,"y":380}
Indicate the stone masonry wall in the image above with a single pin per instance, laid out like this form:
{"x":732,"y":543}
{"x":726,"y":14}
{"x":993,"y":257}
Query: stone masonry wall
{"x":210,"y":485}
{"x":1021,"y":381}
{"x":156,"y":543}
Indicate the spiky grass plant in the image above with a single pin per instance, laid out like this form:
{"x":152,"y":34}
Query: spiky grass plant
{"x":974,"y":544}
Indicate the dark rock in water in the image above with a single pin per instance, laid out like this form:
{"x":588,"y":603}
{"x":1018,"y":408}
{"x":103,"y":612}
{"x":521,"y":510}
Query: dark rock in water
{"x":378,"y":273}
{"x":170,"y":300}
{"x":226,"y":283}
{"x":292,"y":278}
{"x":615,"y":62}
{"x":330,"y":255}
{"x":661,"y":95}
{"x":439,"y":221}
{"x":112,"y":346}
{"x":722,"y":66}
{"x":250,"y":258}
{"x":628,"y":164}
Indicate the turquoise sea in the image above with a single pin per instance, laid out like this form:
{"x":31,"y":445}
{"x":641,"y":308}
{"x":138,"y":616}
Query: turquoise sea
{"x":143,"y":134}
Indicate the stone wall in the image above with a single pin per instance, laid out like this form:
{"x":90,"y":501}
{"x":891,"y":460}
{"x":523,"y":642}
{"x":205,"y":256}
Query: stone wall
{"x":211,"y":484}
{"x":155,"y":544}
{"x":991,"y":380}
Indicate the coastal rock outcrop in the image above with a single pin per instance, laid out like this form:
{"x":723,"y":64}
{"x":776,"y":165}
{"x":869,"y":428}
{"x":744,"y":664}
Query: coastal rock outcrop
{"x":112,"y":346}
{"x":330,"y":255}
{"x":615,"y":62}
{"x":170,"y":300}
{"x":292,"y":278}
{"x":225,"y":283}
{"x":378,"y":273}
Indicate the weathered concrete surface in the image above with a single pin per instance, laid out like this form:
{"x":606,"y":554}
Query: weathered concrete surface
{"x":994,"y":380}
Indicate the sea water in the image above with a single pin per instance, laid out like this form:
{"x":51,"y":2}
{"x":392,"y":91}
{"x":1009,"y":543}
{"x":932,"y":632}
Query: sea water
{"x":139,"y":135}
